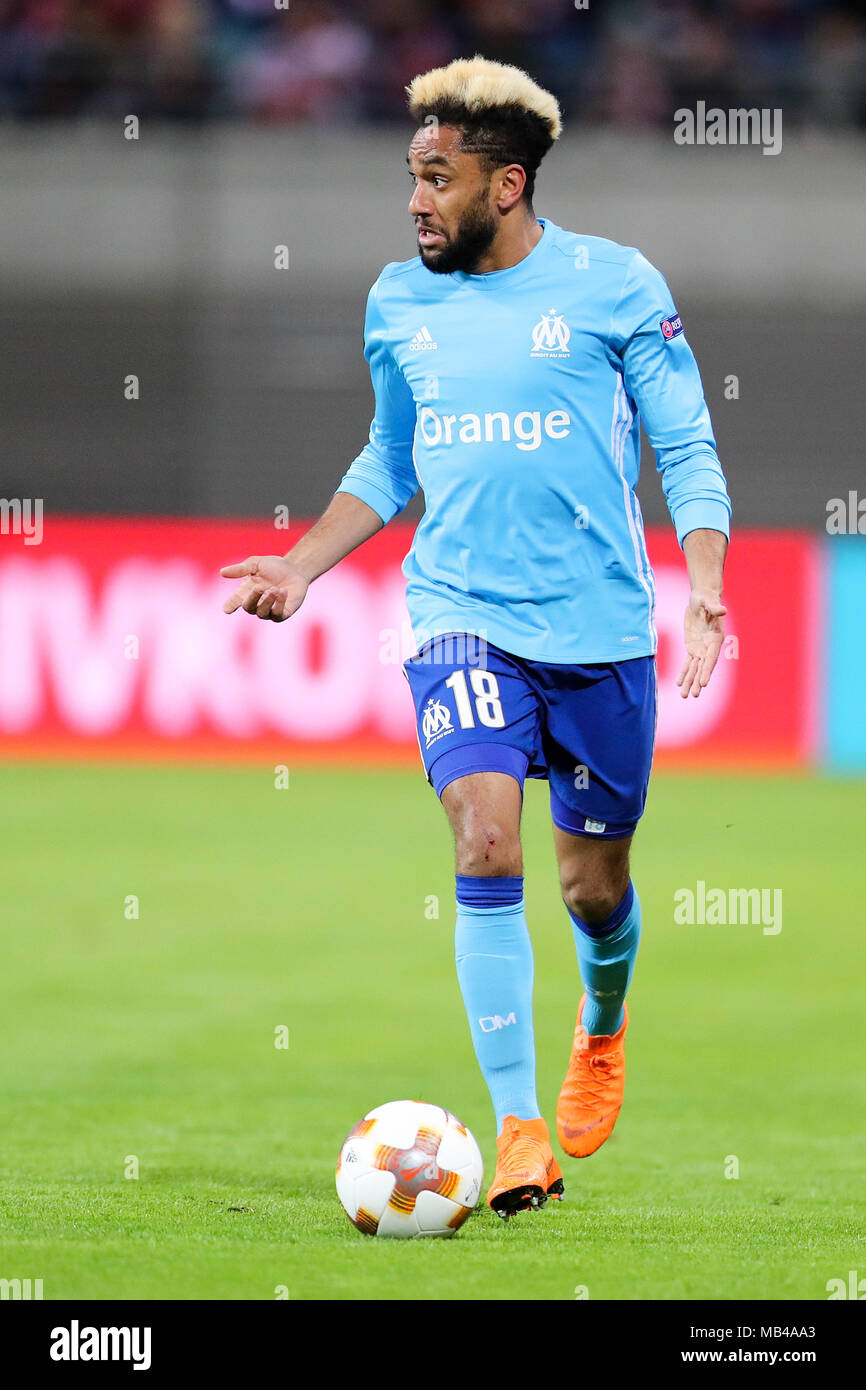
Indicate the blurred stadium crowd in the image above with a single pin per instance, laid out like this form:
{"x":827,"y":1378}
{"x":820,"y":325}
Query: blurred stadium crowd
{"x":624,"y":62}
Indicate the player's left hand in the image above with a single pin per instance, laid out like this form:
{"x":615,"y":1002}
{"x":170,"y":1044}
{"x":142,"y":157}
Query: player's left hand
{"x":704,"y":634}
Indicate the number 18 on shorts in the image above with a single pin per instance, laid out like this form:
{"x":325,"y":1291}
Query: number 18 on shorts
{"x":587,"y":729}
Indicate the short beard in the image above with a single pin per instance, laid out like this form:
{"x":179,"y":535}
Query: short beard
{"x":475,"y":232}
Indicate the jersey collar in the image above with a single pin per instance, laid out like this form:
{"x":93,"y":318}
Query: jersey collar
{"x":495,"y":279}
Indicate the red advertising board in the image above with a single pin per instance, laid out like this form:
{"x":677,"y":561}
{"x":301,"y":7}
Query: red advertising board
{"x":113,"y":642}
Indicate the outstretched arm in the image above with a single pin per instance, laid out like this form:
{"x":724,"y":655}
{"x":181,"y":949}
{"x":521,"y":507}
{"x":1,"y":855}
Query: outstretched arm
{"x":275,"y":586}
{"x":378,"y":485}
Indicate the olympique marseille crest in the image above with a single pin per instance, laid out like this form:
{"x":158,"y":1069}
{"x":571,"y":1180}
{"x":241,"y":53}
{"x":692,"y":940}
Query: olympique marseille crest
{"x":436,"y":721}
{"x":550,"y":336}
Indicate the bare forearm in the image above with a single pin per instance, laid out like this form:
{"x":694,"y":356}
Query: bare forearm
{"x":705,"y":557}
{"x":344,"y":525}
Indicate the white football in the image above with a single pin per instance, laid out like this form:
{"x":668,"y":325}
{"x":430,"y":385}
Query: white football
{"x":409,"y":1169}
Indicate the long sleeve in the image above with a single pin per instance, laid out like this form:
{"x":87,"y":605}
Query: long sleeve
{"x":383,"y":475}
{"x":661,"y":376}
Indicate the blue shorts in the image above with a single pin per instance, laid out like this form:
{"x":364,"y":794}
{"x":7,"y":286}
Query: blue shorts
{"x":588,"y":730}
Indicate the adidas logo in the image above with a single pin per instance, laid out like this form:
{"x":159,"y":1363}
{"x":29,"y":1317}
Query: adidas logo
{"x":422,"y":342}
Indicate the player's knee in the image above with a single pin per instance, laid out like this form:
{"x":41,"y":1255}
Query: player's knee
{"x":486,"y":847}
{"x":592,"y":898}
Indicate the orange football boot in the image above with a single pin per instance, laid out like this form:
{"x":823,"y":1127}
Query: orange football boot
{"x":526,"y":1171}
{"x":592,"y":1091}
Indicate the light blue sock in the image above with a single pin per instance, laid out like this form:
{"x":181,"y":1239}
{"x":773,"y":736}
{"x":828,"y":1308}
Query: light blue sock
{"x":606,"y":954}
{"x":495,"y":970}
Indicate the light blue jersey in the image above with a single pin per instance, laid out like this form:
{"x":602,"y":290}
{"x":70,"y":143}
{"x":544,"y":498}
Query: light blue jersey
{"x":514,"y":399}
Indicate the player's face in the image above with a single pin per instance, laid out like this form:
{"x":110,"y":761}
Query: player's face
{"x":450,"y":201}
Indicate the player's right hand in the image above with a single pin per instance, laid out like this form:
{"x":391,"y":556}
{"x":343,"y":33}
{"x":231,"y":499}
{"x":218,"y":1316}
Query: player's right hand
{"x":272,"y":587}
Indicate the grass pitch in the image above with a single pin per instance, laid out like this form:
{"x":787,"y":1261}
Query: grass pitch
{"x":148,"y":1043}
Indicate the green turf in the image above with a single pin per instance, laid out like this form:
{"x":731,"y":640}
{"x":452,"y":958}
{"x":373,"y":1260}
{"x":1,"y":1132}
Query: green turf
{"x":306,"y":908}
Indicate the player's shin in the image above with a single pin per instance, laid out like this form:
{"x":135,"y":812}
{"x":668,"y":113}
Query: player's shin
{"x":495,"y":970}
{"x":606,"y":954}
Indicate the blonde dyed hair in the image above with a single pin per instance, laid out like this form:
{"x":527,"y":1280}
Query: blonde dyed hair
{"x":481,"y":88}
{"x":503,"y":116}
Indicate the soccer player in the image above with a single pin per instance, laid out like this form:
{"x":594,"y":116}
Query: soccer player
{"x":512,"y":361}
